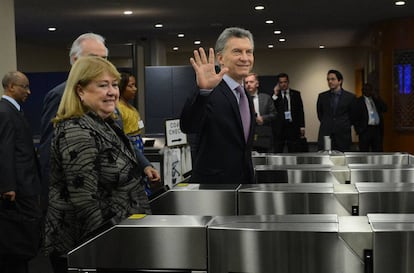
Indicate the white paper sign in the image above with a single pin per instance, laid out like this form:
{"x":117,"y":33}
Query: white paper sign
{"x":173,"y":133}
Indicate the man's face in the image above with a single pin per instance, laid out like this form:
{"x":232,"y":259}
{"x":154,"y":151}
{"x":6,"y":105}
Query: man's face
{"x":333,"y":82}
{"x":283,"y":83}
{"x":237,"y":56}
{"x":20,"y":89}
{"x":251,"y":84}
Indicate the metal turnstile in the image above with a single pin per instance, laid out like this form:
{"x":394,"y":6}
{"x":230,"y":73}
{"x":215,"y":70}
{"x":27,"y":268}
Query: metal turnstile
{"x":152,"y":242}
{"x":385,"y":197}
{"x":197,"y":199}
{"x":315,"y":198}
{"x":393,"y":242}
{"x":305,"y":173}
{"x":288,"y":243}
{"x":377,"y":158}
{"x":381,"y":173}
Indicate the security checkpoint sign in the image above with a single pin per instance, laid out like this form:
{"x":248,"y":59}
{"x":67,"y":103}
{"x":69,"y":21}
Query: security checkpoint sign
{"x":173,"y":133}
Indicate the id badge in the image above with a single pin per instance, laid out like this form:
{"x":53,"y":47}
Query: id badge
{"x":140,"y":124}
{"x":372,"y":115}
{"x":288,"y":115}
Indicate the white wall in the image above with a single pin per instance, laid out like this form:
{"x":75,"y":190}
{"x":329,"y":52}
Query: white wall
{"x":8,"y":39}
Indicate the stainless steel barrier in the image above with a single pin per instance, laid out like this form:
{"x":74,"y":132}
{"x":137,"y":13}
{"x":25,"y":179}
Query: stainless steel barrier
{"x":377,"y":158}
{"x":381,"y":173}
{"x":305,"y":173}
{"x":385,"y":197}
{"x":315,"y":198}
{"x":288,"y":243}
{"x":393,"y":241}
{"x":197,"y":199}
{"x":153,"y":242}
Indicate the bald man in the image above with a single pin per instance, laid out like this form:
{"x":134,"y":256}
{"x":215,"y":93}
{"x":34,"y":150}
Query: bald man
{"x":20,"y":212}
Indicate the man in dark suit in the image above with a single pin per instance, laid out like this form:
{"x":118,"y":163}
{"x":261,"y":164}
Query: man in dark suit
{"x":221,"y":114}
{"x":20,"y":182}
{"x":369,"y":120}
{"x":334,"y":113}
{"x":265,"y":114}
{"x":289,"y":127}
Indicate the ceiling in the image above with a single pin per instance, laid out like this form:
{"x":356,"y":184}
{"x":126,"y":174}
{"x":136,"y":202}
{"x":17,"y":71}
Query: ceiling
{"x":304,"y":23}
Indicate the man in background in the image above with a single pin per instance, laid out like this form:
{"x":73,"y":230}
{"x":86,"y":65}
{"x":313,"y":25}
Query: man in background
{"x":334,"y":109}
{"x":289,"y":127}
{"x":265,"y":113}
{"x":369,"y":120}
{"x":20,"y":212}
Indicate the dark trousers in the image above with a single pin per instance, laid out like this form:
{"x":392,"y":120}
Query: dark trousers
{"x":371,"y":139}
{"x":288,"y":135}
{"x":13,"y":264}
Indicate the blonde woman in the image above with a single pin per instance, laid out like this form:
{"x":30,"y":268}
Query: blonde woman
{"x":94,"y":180}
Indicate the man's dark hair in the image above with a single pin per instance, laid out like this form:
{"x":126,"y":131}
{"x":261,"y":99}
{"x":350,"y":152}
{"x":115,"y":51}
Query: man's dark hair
{"x":337,"y":73}
{"x":282,"y":75}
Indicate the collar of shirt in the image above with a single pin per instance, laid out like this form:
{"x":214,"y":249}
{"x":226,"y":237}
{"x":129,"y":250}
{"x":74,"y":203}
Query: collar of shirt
{"x":232,"y":84}
{"x":12,"y":101}
{"x":339,"y":92}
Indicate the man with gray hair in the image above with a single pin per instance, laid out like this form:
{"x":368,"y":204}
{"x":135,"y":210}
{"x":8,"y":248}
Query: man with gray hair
{"x":87,"y":44}
{"x":221,"y":114}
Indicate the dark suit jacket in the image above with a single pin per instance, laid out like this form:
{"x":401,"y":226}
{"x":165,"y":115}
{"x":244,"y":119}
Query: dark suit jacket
{"x":222,"y":154}
{"x":296,"y":109}
{"x":267,"y":108}
{"x":19,"y":170}
{"x":335,"y":124}
{"x":360,"y":114}
{"x":19,"y":167}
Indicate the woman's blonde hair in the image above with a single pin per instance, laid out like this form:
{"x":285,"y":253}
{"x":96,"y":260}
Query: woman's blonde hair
{"x":83,"y":71}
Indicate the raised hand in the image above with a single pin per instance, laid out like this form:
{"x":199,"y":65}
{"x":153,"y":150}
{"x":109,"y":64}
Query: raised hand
{"x":204,"y":67}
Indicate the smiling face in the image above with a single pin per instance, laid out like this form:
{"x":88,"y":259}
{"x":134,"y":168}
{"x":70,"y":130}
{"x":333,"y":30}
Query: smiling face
{"x":100,"y":95}
{"x":237,"y":56}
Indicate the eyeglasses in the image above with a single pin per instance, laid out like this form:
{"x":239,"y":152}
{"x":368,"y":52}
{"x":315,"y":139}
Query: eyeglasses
{"x":25,"y":87}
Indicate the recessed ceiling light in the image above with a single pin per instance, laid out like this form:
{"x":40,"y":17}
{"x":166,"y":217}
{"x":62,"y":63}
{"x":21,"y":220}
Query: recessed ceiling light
{"x":282,"y":40}
{"x":175,"y":48}
{"x":270,"y":46}
{"x":259,"y":7}
{"x":277,"y":32}
{"x":269,"y":22}
{"x":180,"y":35}
{"x":158,"y":25}
{"x":321,"y":46}
{"x":51,"y":29}
{"x":197,"y":42}
{"x":399,"y":3}
{"x":128,"y":12}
